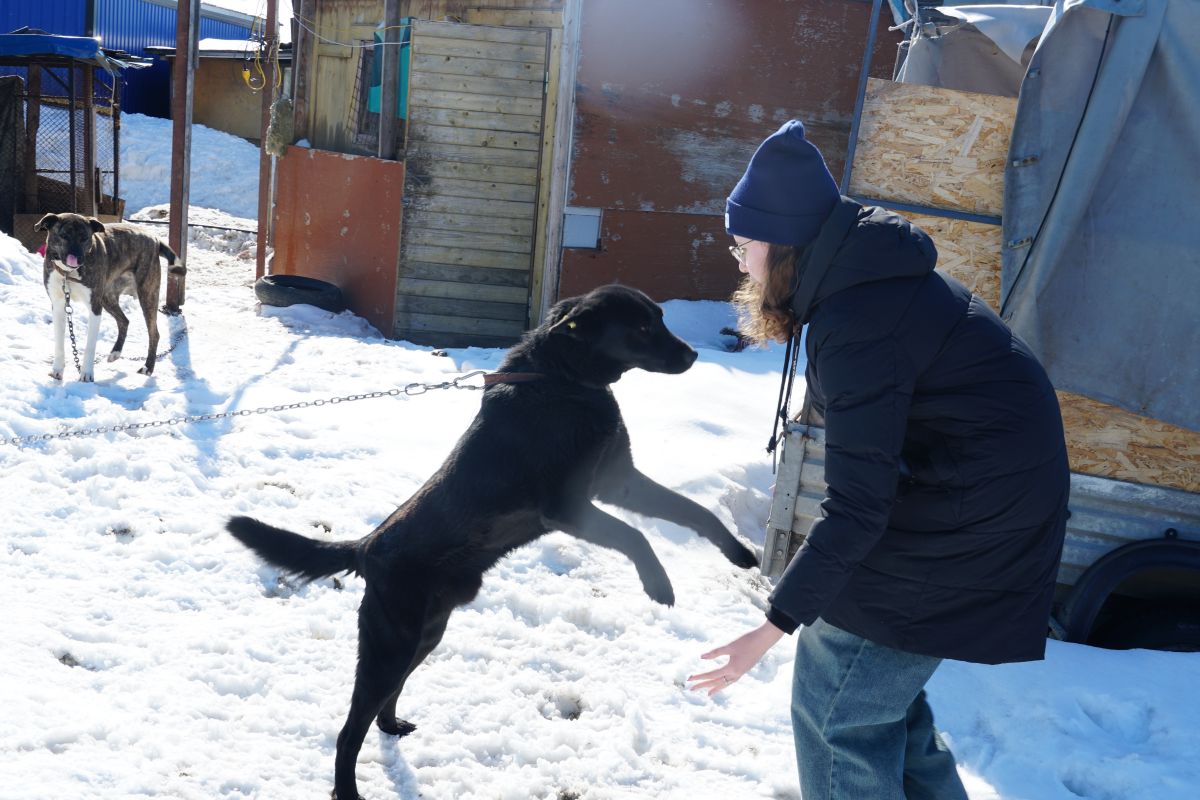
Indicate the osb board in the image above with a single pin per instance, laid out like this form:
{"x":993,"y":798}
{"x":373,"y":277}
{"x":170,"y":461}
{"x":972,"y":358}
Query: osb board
{"x":1102,"y":440}
{"x":935,"y":147}
{"x":1110,"y":442}
{"x":968,"y":251}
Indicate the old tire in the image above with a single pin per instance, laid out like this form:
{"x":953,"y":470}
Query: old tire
{"x":289,"y":290}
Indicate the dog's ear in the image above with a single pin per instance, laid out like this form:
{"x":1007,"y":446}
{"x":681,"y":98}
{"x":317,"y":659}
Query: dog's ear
{"x":563,"y":317}
{"x":568,"y":325}
{"x":46,"y":223}
{"x":96,"y":225}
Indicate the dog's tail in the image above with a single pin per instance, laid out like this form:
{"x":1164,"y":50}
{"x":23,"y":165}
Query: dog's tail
{"x":306,"y":558}
{"x":166,"y":252}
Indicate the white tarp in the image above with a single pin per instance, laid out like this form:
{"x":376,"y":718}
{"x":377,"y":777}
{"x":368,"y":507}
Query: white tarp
{"x":1101,"y":261}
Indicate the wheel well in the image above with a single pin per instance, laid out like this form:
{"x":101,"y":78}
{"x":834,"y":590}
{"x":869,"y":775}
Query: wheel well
{"x":1141,"y":575}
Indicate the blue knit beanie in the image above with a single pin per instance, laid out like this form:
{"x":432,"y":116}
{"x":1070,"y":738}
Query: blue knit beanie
{"x":786,"y":193}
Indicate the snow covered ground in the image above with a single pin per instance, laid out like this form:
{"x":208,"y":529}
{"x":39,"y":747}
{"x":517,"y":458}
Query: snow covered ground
{"x":146,"y":654}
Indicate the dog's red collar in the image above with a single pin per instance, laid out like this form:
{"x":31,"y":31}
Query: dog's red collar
{"x":492,"y":378}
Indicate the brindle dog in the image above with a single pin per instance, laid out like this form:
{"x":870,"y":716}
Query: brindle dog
{"x":97,"y":263}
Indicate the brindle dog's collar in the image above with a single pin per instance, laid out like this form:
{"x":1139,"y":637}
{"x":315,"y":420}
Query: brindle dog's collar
{"x":67,"y":273}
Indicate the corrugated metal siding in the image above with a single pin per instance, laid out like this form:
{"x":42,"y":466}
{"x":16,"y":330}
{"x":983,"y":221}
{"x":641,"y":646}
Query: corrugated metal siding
{"x":134,"y":25}
{"x":1105,"y":514}
{"x":63,"y":17}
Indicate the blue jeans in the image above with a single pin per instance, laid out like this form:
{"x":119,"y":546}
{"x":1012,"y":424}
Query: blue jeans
{"x":863,"y":729}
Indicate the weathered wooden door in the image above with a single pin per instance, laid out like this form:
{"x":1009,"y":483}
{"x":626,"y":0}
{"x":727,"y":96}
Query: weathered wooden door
{"x":476,"y":105}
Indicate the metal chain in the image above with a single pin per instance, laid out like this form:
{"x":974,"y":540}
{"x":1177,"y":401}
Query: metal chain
{"x":411,"y":390}
{"x":176,"y":338}
{"x":66,"y":282}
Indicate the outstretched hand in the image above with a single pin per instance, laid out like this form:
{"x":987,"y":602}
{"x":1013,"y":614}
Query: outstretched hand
{"x":744,"y":652}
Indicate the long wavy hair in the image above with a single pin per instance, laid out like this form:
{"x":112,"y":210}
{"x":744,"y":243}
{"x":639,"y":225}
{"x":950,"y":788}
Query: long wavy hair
{"x":765,"y":311}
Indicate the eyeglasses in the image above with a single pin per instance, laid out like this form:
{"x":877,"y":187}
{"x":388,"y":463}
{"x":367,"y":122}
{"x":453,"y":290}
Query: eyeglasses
{"x":738,"y":251}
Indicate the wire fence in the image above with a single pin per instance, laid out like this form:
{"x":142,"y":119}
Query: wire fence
{"x":55,"y":175}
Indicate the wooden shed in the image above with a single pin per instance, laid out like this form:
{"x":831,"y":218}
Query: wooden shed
{"x":621,"y":123}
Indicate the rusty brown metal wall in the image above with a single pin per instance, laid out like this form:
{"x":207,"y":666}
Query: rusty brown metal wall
{"x":672,"y":97}
{"x":337,"y":218}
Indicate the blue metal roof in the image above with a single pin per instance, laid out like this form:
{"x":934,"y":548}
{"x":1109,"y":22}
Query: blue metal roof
{"x":81,"y":48}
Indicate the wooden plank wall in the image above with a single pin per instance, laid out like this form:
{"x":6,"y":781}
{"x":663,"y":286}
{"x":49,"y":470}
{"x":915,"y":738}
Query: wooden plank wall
{"x":476,"y":100}
{"x":946,"y":149}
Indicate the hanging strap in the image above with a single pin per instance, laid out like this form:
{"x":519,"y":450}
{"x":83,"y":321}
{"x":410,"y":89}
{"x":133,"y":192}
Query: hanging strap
{"x":791,"y":359}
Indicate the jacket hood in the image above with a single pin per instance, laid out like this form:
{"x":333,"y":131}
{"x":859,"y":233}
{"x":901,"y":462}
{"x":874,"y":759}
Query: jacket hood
{"x":859,"y":244}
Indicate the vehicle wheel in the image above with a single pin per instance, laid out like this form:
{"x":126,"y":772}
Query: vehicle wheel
{"x":1155,"y":628}
{"x":288,"y":290}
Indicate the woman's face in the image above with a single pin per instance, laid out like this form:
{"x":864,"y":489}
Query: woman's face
{"x":752,"y":258}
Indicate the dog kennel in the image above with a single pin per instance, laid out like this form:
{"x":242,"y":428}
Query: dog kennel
{"x":60,"y":128}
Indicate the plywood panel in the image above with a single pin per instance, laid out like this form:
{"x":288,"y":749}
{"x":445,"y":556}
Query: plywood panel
{"x":969,"y":251}
{"x":480,"y":275}
{"x":470,"y":258}
{"x":519,"y":18}
{"x":439,"y":45}
{"x":470,"y":240}
{"x":932,"y":146}
{"x":462,"y":101}
{"x":489,"y":37}
{"x":493,"y":140}
{"x":455,"y":118}
{"x":474,"y":84}
{"x":471,"y":222}
{"x":472,"y":155}
{"x":454,"y":324}
{"x":467,"y":205}
{"x":423,"y":167}
{"x":483,"y":190}
{"x":473,"y":309}
{"x":462,"y":291}
{"x":1113,"y":443}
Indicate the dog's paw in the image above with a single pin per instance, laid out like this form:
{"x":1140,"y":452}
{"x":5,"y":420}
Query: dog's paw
{"x":741,"y":556}
{"x":146,"y":371}
{"x":114,"y":355}
{"x":659,"y":589}
{"x":86,"y":377}
{"x":395,"y":726}
{"x":56,"y":375}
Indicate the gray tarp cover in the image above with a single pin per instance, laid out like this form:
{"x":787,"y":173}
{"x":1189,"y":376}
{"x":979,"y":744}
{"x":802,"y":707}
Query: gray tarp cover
{"x":1101,"y":262}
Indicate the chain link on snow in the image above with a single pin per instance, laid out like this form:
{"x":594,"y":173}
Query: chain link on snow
{"x":411,"y":390}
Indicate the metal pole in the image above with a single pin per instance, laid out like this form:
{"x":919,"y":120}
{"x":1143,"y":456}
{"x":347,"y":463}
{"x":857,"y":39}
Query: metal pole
{"x":90,"y":183}
{"x":876,"y":7}
{"x":183,"y":81}
{"x":71,"y":132}
{"x":270,"y":51}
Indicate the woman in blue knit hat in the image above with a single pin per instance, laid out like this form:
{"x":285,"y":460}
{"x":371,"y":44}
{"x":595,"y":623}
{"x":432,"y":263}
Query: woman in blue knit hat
{"x":942,"y":525}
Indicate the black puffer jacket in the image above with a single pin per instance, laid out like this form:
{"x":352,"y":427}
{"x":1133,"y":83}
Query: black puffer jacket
{"x":943,"y":523}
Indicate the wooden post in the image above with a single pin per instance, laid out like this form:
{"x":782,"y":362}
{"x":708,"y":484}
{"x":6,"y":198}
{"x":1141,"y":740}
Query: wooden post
{"x":302,"y":59}
{"x":270,"y":50}
{"x":183,"y":82}
{"x":390,"y":90}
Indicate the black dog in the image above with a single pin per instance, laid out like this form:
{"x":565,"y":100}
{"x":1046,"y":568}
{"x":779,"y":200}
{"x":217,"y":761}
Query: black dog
{"x":548,"y":439}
